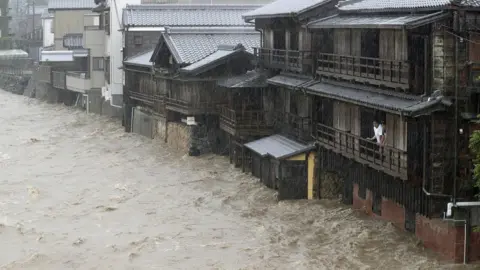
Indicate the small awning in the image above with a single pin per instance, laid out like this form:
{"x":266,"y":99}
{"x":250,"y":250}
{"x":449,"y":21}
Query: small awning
{"x":142,"y":60}
{"x":288,"y":81}
{"x":251,"y":79}
{"x":80,"y":53}
{"x":278,"y":147}
{"x":56,"y":56}
{"x":400,"y":21}
{"x":410,"y":106}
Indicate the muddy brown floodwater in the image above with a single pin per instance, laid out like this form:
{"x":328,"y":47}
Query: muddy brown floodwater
{"x":79,"y":193}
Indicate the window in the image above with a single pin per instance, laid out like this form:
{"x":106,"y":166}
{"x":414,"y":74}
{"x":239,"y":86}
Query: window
{"x":107,"y":22}
{"x":98,"y":63}
{"x":138,"y":40}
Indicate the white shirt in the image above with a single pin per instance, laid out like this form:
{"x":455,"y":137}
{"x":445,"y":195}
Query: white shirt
{"x":378,"y":132}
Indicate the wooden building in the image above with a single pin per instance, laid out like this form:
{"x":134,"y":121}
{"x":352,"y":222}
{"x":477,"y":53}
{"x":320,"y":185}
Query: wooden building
{"x":180,"y":85}
{"x":399,"y":64}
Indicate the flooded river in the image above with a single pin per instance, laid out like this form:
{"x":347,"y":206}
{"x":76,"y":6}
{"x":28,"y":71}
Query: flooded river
{"x":79,"y":193}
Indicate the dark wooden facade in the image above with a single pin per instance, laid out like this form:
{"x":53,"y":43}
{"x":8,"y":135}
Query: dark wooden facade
{"x":243,"y":116}
{"x":143,"y":89}
{"x":407,"y":64}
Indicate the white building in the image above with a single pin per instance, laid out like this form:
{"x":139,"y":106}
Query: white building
{"x":112,"y":11}
{"x":48,"y":36}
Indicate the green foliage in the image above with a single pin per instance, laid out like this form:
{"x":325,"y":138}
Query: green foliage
{"x":475,"y":148}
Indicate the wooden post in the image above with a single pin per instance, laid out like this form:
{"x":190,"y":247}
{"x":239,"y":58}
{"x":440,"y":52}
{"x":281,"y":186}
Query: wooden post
{"x":243,"y":158}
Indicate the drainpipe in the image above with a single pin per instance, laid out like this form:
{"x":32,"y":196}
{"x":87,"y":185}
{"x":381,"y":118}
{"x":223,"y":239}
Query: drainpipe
{"x":455,"y":139}
{"x":464,"y":236}
{"x":452,"y":205}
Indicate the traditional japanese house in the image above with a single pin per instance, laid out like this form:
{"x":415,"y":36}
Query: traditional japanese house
{"x":396,"y":64}
{"x":187,"y":63}
{"x":282,"y":160}
{"x":144,"y":25}
{"x":242,"y":117}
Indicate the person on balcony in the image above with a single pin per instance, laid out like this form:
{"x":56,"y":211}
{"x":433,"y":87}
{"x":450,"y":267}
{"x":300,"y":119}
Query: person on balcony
{"x":379,"y":137}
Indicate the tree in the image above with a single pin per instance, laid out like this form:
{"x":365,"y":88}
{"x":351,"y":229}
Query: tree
{"x":475,"y":148}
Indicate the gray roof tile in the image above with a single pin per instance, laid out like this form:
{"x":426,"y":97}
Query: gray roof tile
{"x":195,"y":44}
{"x":70,"y":4}
{"x":185,"y":15}
{"x":391,"y":5}
{"x":278,"y":146}
{"x":222,"y":53}
{"x":251,"y":79}
{"x":281,"y":8}
{"x":142,"y":59}
{"x":373,"y":99}
{"x":397,"y":21}
{"x":288,"y":80}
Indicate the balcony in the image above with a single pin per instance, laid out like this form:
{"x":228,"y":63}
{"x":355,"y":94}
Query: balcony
{"x":244,"y":122}
{"x":388,"y":159}
{"x":474,"y":78}
{"x":285,"y":60}
{"x":58,"y":79}
{"x":155,"y":102}
{"x":190,"y":108}
{"x":293,"y":126}
{"x":44,"y":74}
{"x":78,"y":81}
{"x":381,"y":72}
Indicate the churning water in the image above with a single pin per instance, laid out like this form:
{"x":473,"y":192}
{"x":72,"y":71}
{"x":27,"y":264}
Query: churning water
{"x":79,"y":193}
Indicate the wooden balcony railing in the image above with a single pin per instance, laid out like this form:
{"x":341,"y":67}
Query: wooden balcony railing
{"x":244,"y":122}
{"x":391,"y":160}
{"x":391,"y":73}
{"x":187,"y":107}
{"x":292,"y":125}
{"x":59,"y":79}
{"x":156,"y":102}
{"x":44,"y":74}
{"x":287,"y":60}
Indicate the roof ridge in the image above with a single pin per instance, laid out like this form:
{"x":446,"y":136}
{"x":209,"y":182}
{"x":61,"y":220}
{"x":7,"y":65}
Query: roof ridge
{"x":193,"y":6}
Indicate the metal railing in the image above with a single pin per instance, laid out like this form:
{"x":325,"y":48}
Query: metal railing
{"x":44,"y":74}
{"x":393,"y":73}
{"x":79,"y":74}
{"x":287,"y":60}
{"x":59,"y":79}
{"x":390,"y":159}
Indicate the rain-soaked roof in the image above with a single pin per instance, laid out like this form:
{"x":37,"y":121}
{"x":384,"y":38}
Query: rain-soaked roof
{"x":283,"y":8}
{"x":13,"y":54}
{"x":278,"y":146}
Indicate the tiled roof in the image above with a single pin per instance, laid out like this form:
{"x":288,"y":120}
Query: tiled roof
{"x":404,"y":105}
{"x":471,"y":3}
{"x":288,"y":80}
{"x":282,"y":8}
{"x":223,"y":52}
{"x":70,"y":4}
{"x":396,"y":21}
{"x":251,"y":79}
{"x":185,"y":15}
{"x":391,"y":5}
{"x":142,"y":59}
{"x":278,"y":146}
{"x":191,"y":45}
